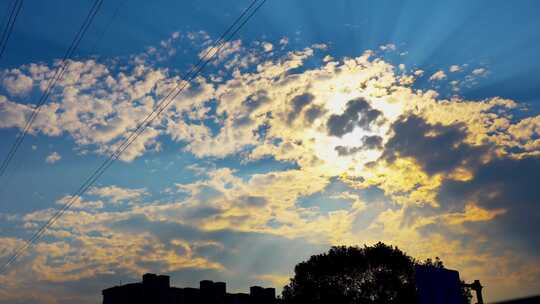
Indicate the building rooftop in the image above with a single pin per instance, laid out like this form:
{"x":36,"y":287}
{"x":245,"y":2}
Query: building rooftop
{"x":156,"y":289}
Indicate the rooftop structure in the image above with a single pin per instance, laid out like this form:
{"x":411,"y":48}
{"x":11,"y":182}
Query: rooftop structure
{"x":156,"y":289}
{"x":438,"y":285}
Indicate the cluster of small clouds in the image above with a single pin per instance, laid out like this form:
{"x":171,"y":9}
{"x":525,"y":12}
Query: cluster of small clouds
{"x":16,"y":83}
{"x":117,"y":194}
{"x":53,"y":158}
{"x":352,"y":123}
{"x":388,"y":47}
{"x":458,"y":83}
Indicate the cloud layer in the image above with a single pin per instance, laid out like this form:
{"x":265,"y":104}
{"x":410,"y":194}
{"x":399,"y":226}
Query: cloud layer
{"x":371,"y":158}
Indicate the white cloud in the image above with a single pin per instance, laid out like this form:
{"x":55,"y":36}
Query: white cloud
{"x":267,"y":46}
{"x":98,"y":107}
{"x":328,"y":58}
{"x":479,"y":72}
{"x":439,"y":75}
{"x":388,"y":47}
{"x":53,"y":158}
{"x":17,"y":83}
{"x":117,"y":194}
{"x":455,"y":68}
{"x":228,"y":48}
{"x":12,"y":114}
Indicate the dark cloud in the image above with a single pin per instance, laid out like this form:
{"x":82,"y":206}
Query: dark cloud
{"x":243,"y":121}
{"x":298,"y":103}
{"x":256,"y":100}
{"x":346,"y":151}
{"x":201,"y":212}
{"x":358,"y":113}
{"x":368,"y":143}
{"x":372,"y":142}
{"x":510,"y":184}
{"x":251,"y":104}
{"x":501,"y":183}
{"x":437,"y":148}
{"x":252,"y":201}
{"x":313,"y":113}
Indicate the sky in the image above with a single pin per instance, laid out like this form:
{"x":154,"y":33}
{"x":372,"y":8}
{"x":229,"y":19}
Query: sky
{"x":414,"y":122}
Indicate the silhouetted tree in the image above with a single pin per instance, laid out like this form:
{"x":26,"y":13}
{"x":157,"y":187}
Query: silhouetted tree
{"x":437,"y":263}
{"x":344,"y":275}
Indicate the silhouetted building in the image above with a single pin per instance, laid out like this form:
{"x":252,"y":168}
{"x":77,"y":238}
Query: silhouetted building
{"x":156,"y":289}
{"x":438,"y":285}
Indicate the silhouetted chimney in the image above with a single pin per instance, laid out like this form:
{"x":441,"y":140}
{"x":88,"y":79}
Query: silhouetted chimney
{"x":163,"y":281}
{"x":208,"y":295}
{"x":220,"y":288}
{"x":206,"y":286}
{"x":149,"y":279}
{"x":256,"y":292}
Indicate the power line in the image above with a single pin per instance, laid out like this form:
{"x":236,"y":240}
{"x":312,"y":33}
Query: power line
{"x":162,"y":105}
{"x":16,"y":6}
{"x":59,"y":73}
{"x":107,"y":26}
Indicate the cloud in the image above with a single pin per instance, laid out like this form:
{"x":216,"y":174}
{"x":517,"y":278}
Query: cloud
{"x":12,"y":114}
{"x":339,"y":151}
{"x":17,"y":83}
{"x":299,"y":102}
{"x":437,"y":148}
{"x":368,"y":143}
{"x":53,"y":158}
{"x":117,"y":194}
{"x":358,"y":113}
{"x":98,"y":107}
{"x":455,"y":68}
{"x":437,"y":76}
{"x":502,"y":184}
{"x":267,"y":46}
{"x":479,"y":72}
{"x":388,"y":47}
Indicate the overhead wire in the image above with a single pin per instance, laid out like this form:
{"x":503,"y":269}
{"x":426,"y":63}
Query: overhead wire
{"x":219,"y":44}
{"x":11,"y":18}
{"x":107,"y":25}
{"x":58,"y":75}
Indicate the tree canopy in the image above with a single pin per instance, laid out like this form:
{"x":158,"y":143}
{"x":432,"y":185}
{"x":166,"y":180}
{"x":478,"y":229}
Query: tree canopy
{"x":378,"y":274}
{"x":370,"y":274}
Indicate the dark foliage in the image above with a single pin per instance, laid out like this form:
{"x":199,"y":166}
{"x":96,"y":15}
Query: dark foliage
{"x":344,"y":275}
{"x":437,"y":263}
{"x":354,"y":275}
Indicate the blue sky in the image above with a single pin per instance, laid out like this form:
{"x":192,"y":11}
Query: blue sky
{"x":434,"y":34}
{"x":236,"y":165}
